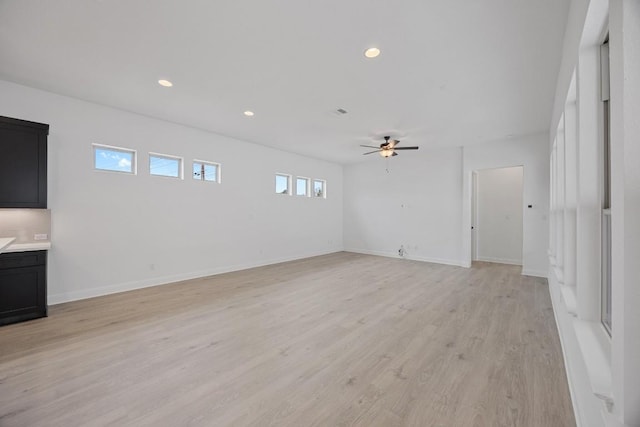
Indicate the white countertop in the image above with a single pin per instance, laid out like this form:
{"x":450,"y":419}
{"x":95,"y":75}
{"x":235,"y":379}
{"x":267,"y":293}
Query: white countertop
{"x":5,"y":241}
{"x":6,"y":246}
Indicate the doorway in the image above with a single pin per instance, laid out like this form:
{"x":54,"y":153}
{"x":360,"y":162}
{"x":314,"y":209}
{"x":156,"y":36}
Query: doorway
{"x":497,"y":215}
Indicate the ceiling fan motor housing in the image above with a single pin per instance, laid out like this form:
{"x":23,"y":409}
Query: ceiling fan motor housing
{"x":388,"y":147}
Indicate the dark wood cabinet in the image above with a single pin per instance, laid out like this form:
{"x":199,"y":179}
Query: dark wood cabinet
{"x":23,"y":184}
{"x":23,"y":286}
{"x":23,"y":164}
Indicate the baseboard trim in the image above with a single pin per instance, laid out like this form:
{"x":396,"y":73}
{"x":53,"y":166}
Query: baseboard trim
{"x":390,"y":254}
{"x":63,"y":297}
{"x":499,"y":260}
{"x":534,"y":273}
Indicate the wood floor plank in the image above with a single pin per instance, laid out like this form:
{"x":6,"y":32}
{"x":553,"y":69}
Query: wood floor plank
{"x":338,"y":340}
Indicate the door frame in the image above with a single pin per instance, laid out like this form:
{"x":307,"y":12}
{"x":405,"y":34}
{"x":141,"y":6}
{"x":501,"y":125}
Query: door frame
{"x":472,"y":225}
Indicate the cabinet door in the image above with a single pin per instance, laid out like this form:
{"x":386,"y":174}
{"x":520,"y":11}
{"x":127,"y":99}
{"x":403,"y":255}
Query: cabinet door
{"x":23,"y":164}
{"x":22,"y":293}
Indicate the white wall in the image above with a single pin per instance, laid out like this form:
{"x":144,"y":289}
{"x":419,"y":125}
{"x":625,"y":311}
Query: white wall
{"x":426,"y":197}
{"x":499,"y":215}
{"x":531,"y":152}
{"x":114,"y":232}
{"x":418,"y":205}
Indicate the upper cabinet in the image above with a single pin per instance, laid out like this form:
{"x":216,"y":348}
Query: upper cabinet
{"x":23,"y":164}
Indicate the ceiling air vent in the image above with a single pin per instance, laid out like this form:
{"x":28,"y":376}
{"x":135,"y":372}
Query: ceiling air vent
{"x":340,"y":112}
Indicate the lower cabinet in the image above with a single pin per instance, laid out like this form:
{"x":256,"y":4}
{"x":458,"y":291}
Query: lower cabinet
{"x":23,"y":286}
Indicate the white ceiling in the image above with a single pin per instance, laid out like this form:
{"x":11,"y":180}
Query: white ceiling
{"x":451,"y":72}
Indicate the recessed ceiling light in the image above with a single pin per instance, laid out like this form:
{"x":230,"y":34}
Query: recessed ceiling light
{"x":165,"y":83}
{"x":248,"y":113}
{"x":372,"y":52}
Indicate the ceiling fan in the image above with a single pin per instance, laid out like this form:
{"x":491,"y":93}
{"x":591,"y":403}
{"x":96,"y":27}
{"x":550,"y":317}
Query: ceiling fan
{"x":388,"y":147}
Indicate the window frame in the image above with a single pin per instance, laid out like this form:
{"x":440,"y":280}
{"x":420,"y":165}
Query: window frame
{"x":324,"y":188}
{"x":288,"y":177}
{"x":134,"y":158}
{"x":168,"y":157}
{"x":307,"y":181}
{"x":218,"y":176}
{"x":606,"y":283}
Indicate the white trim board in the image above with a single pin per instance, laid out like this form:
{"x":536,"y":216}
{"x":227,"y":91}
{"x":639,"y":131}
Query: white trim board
{"x":589,"y":410}
{"x":499,"y":260}
{"x":534,"y":273}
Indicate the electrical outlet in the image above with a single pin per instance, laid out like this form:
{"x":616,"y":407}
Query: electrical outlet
{"x":40,"y":236}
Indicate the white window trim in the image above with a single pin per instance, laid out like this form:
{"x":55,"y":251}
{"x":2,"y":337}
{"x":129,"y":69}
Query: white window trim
{"x":289,"y":183}
{"x":324,"y":188}
{"x":134,"y":158}
{"x":171,"y":157}
{"x":206,"y":162}
{"x":307,"y":192}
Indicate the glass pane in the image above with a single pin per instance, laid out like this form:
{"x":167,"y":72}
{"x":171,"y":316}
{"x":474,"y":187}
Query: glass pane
{"x":301,"y":187}
{"x":318,"y":188}
{"x":282,"y":184}
{"x":607,"y":157}
{"x":606,"y":271}
{"x":205,"y":172}
{"x":164,"y":166}
{"x":113,"y":160}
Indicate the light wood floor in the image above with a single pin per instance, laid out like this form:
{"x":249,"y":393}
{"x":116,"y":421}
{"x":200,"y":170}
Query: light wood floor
{"x":342,"y":339}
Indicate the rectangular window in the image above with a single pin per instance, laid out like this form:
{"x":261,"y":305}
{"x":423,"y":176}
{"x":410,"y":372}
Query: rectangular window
{"x":114,"y":159}
{"x":165,"y":165}
{"x":283,"y":184}
{"x":319,"y":188}
{"x":605,"y":287}
{"x":302,"y":186}
{"x":206,"y":171}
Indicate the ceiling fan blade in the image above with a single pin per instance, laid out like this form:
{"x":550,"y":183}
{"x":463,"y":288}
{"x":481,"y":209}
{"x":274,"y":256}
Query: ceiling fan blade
{"x":371,"y":152}
{"x":393,"y":143}
{"x":395,"y":154}
{"x":369,"y":146}
{"x":406,"y":148}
